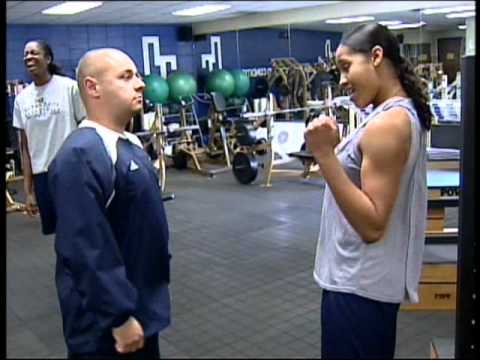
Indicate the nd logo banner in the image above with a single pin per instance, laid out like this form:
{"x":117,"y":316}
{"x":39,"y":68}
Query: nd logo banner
{"x":209,"y":60}
{"x":215,"y":56}
{"x":158,"y":60}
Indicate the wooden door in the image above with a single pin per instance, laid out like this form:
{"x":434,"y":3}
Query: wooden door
{"x":449,"y":53}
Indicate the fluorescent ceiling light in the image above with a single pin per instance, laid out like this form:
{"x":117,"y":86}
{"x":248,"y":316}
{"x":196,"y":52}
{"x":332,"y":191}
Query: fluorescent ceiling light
{"x":390,"y":22}
{"x":448,"y":10}
{"x":407,"y":26}
{"x":201,"y":10}
{"x":462,"y":27}
{"x":71,"y":7}
{"x":461,"y":15}
{"x":348,"y":20}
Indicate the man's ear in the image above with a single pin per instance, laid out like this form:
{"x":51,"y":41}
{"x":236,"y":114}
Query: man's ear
{"x":91,"y":86}
{"x":377,"y":55}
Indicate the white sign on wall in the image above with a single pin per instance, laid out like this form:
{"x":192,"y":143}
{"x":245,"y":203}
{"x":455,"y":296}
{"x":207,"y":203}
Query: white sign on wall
{"x":215,"y":56}
{"x":288,"y":137}
{"x":158,"y":60}
{"x":255,"y":72}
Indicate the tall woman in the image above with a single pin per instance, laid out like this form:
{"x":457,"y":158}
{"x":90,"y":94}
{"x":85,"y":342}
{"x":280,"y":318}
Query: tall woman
{"x":371,"y":240}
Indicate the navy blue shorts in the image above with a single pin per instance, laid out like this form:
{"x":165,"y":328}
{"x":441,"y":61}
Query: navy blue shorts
{"x":44,"y":202}
{"x":357,"y":327}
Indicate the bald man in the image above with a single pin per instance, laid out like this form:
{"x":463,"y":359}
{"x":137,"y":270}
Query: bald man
{"x":112,"y":271}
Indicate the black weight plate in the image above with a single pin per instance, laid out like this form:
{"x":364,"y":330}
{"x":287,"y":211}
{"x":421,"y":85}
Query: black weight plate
{"x":179,"y":159}
{"x":261,"y":141}
{"x":245,"y":168}
{"x":245,"y":134}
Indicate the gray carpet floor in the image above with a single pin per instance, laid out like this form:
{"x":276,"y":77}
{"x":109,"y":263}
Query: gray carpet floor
{"x":242,"y":284}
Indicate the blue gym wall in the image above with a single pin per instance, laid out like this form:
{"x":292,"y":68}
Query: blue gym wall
{"x":256,"y":46}
{"x":70,"y":42}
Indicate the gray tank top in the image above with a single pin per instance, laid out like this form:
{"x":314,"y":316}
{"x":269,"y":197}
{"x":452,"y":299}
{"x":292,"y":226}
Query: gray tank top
{"x":389,"y":269}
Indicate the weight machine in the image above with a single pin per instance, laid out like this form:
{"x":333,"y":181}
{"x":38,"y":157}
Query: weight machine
{"x":158,"y":138}
{"x":245,"y":164}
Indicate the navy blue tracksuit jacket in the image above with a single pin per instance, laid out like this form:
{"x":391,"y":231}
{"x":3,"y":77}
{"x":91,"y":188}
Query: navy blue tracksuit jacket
{"x":111,"y":240}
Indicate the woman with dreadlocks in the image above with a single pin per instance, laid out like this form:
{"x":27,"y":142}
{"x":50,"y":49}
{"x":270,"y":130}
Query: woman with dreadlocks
{"x":45,"y":113}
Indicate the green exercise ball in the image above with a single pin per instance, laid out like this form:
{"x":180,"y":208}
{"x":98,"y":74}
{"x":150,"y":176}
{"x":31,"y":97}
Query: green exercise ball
{"x":242,"y":83}
{"x":182,"y":86}
{"x":156,"y":89}
{"x":221,"y":81}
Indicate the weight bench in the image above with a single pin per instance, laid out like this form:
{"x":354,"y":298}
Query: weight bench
{"x":307,"y":160}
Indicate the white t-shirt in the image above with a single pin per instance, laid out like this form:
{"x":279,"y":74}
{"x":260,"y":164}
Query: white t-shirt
{"x":48,"y":114}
